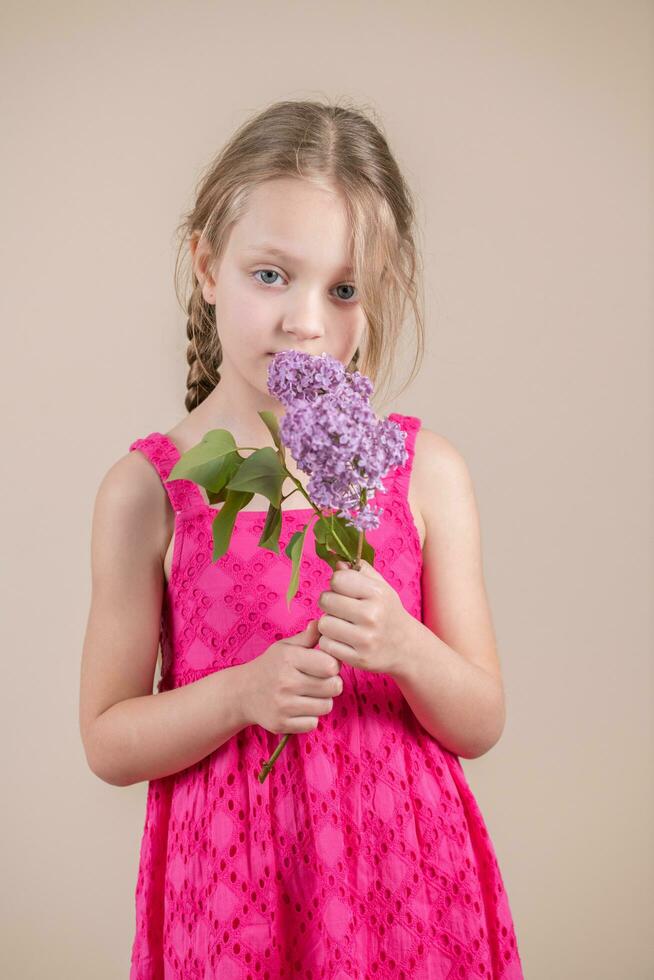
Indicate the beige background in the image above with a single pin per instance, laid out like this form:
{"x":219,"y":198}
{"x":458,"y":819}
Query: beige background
{"x":525,"y":130}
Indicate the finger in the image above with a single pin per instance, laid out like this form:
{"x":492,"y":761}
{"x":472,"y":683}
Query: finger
{"x":314,"y":663}
{"x":341,"y":651}
{"x":344,"y":606}
{"x":338,"y":629}
{"x":347,"y":581}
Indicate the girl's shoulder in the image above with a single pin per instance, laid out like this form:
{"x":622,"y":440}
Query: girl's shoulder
{"x":434,"y":451}
{"x":131,"y":480}
{"x":426,"y":447}
{"x":440,"y":474}
{"x":131,"y":496}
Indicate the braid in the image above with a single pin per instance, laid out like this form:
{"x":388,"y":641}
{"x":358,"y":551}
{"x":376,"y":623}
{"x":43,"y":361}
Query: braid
{"x":204,"y":353}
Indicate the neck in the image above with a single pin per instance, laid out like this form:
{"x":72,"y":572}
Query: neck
{"x":234,"y":405}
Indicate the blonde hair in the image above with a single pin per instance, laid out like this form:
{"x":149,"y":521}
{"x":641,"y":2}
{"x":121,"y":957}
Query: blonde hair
{"x":333,"y":146}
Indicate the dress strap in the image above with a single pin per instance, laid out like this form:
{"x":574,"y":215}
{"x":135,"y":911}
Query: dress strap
{"x":162,"y":452}
{"x":410,"y":424}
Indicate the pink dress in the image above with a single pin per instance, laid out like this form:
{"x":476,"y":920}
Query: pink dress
{"x":364,"y":853}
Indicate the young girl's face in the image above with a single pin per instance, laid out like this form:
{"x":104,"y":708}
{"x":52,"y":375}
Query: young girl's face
{"x":284,"y":281}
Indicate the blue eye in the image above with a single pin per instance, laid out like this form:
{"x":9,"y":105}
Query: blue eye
{"x":345,"y":285}
{"x":273,"y":272}
{"x":265,"y":270}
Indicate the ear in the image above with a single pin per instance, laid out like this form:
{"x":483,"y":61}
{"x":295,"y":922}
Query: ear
{"x":203,"y":262}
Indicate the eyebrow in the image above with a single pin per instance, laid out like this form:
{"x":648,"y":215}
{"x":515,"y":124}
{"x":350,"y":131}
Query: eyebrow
{"x":271,"y":249}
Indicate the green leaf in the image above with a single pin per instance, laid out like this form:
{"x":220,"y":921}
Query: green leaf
{"x":270,"y":535}
{"x":218,"y":490}
{"x":294,"y":551}
{"x":338,"y":541}
{"x":223,"y":522}
{"x":261,"y":472}
{"x":326,"y":555}
{"x":211,"y":463}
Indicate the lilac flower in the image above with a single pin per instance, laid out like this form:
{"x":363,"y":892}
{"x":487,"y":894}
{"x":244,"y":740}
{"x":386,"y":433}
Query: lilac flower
{"x":334,"y":435}
{"x":294,"y":376}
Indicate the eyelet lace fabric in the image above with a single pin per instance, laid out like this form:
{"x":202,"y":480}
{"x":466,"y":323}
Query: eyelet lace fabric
{"x":364,"y":853}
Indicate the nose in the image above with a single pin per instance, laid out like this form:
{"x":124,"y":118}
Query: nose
{"x":305,"y":320}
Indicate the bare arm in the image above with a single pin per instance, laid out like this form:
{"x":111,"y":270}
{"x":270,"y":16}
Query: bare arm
{"x":130,"y":734}
{"x":155,"y":735}
{"x":458,"y":703}
{"x":450,"y":671}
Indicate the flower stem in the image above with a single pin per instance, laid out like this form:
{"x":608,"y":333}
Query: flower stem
{"x":357,"y":563}
{"x":303,"y":492}
{"x":267,"y":766}
{"x":342,"y":546}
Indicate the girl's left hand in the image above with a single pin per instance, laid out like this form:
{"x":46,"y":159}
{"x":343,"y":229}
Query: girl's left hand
{"x":365,"y":623}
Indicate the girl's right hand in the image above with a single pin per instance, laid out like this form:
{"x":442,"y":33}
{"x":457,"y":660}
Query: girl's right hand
{"x":291,"y":684}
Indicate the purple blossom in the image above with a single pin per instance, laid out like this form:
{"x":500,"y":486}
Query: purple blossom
{"x":294,"y":376}
{"x":334,"y":435}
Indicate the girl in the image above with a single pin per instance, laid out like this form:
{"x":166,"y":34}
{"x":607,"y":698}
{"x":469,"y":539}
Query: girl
{"x":364,"y":852}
